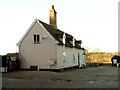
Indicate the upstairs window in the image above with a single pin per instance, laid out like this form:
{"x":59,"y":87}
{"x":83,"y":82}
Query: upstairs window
{"x":36,"y":38}
{"x":64,"y":37}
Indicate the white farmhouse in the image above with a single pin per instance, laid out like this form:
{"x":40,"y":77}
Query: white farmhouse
{"x":46,"y":47}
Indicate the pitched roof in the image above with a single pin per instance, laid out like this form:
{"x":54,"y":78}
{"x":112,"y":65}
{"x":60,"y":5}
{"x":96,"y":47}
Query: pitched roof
{"x":56,"y":34}
{"x":12,"y":54}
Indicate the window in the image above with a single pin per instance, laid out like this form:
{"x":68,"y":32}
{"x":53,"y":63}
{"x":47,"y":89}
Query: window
{"x":64,"y":38}
{"x":34,"y":68}
{"x":73,"y":57}
{"x":78,"y":56}
{"x":13,"y":59}
{"x":64,"y":56}
{"x":36,"y":38}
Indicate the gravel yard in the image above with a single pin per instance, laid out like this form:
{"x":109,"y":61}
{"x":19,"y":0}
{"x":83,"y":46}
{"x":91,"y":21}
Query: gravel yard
{"x":93,"y":77}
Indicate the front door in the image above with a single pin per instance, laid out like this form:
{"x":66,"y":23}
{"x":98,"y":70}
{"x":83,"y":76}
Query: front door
{"x":79,"y":60}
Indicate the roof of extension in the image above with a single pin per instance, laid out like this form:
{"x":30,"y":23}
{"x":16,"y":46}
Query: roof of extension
{"x":56,"y":33}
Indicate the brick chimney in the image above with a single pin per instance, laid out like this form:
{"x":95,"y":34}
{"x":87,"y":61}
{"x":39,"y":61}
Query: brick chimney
{"x":52,"y":17}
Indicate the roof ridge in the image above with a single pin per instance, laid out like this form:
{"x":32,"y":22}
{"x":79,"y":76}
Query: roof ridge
{"x":57,"y":34}
{"x":54,"y":27}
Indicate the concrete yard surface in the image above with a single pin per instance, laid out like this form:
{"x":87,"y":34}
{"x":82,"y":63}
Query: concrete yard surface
{"x":93,"y":77}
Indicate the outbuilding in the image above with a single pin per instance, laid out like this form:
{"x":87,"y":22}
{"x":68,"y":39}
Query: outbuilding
{"x":9,"y":62}
{"x":115,"y":60}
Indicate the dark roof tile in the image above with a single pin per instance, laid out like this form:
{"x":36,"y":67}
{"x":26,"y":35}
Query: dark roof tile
{"x":57,"y":34}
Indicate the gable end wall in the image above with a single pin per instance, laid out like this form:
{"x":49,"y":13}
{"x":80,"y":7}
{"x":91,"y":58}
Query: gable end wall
{"x":36,"y":54}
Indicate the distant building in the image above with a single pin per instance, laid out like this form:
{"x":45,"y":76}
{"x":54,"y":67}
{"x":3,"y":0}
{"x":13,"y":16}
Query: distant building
{"x":115,"y":60}
{"x":9,"y":62}
{"x":44,"y":46}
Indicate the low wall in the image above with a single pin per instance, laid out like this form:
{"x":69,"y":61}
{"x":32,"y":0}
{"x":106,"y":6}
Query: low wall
{"x":97,"y":64}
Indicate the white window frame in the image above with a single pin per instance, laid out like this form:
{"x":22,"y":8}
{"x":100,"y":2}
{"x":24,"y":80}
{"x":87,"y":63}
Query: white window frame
{"x":74,"y":58}
{"x":64,"y":56}
{"x":64,"y":38}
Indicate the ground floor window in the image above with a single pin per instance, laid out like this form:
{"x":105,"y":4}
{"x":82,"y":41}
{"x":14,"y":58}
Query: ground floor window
{"x":73,"y":57}
{"x":64,"y":57}
{"x":34,"y":68}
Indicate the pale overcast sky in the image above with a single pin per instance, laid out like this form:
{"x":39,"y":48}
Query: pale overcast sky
{"x":95,"y":22}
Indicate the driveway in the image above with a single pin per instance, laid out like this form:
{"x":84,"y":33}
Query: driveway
{"x":93,"y":77}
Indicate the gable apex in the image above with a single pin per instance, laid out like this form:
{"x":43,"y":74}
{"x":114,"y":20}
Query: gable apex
{"x":41,"y":24}
{"x":54,"y":33}
{"x":18,"y":44}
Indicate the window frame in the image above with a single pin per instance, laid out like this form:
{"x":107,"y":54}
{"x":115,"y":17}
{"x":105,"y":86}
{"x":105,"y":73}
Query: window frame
{"x":36,"y":38}
{"x":74,"y":58}
{"x":64,"y":56}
